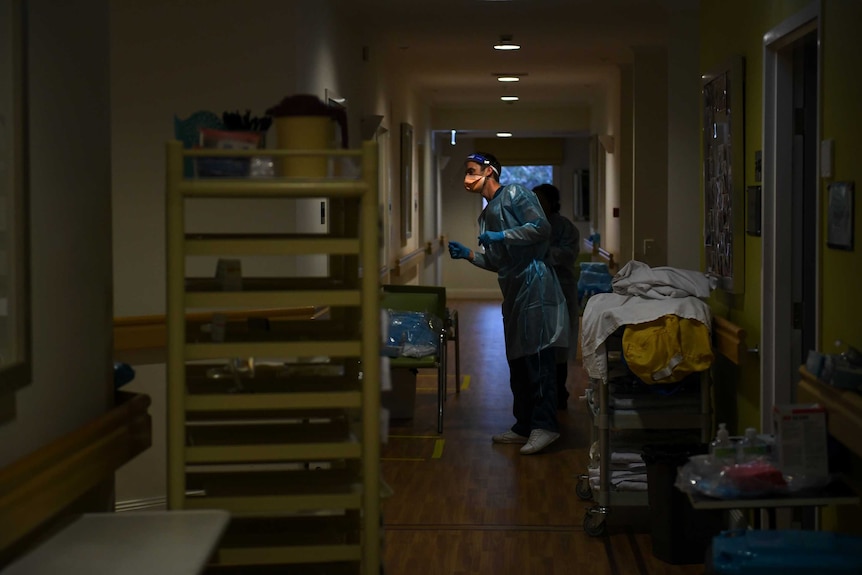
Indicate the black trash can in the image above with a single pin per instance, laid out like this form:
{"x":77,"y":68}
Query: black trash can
{"x":680,"y":533}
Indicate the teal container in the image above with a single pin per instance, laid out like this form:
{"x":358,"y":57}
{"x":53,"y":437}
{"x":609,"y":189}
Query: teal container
{"x":785,"y":552}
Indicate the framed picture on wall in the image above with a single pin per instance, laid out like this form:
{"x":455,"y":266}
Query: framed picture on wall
{"x":723,"y":175}
{"x":406,"y":172}
{"x":581,"y":195}
{"x":15,"y":370}
{"x":839,"y":231}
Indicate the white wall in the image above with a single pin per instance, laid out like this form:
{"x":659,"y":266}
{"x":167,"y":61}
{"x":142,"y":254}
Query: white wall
{"x":171,"y":59}
{"x":70,"y":219}
{"x":684,"y":220}
{"x":650,"y":155}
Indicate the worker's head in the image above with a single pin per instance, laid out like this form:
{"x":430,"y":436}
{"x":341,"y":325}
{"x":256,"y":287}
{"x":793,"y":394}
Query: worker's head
{"x":549,"y":197}
{"x":477,"y":168}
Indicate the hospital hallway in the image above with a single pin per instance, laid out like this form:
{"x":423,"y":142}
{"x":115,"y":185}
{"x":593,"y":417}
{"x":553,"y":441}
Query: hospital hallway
{"x":463,"y":506}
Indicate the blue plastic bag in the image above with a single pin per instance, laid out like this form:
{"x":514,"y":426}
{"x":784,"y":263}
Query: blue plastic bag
{"x":595,"y":278}
{"x":414,"y":333}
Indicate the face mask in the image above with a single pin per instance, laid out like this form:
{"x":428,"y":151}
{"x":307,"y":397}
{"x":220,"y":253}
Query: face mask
{"x":474,"y":183}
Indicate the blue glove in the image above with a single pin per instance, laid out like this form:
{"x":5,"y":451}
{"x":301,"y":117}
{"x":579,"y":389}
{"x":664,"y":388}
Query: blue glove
{"x":488,"y":238}
{"x":458,"y":251}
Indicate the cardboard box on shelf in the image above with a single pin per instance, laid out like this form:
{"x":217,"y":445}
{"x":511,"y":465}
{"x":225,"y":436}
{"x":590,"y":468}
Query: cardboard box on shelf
{"x":401,"y":399}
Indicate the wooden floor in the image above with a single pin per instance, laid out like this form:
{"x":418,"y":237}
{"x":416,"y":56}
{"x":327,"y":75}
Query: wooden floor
{"x":464,"y":506}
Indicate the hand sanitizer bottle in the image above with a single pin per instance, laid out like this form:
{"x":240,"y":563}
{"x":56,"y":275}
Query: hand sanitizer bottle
{"x":721,"y":448}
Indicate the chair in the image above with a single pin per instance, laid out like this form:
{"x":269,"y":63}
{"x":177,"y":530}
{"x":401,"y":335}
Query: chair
{"x":428,"y":299}
{"x":449,"y":317}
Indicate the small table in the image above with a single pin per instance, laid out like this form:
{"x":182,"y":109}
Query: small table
{"x":129,"y":543}
{"x":835,"y":493}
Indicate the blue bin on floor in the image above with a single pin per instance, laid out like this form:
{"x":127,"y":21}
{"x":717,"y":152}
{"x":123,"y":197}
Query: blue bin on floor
{"x":785,"y":552}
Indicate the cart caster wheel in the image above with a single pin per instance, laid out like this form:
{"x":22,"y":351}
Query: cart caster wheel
{"x":594,"y":524}
{"x":582,"y":488}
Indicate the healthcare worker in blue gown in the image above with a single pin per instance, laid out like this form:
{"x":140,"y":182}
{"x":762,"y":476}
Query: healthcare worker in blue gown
{"x":515,"y":235}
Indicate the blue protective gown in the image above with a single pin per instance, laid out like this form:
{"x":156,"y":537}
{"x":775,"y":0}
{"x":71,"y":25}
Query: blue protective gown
{"x":534,"y":307}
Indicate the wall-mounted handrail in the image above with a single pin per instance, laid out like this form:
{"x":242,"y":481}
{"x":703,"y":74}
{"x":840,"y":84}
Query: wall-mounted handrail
{"x":729,"y":340}
{"x":39,"y":488}
{"x":600,"y":254}
{"x":141,"y":332}
{"x":408,"y":260}
{"x":413,"y":258}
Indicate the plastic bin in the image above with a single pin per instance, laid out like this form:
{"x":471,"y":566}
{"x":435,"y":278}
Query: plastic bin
{"x":785,"y":552}
{"x":680,"y":533}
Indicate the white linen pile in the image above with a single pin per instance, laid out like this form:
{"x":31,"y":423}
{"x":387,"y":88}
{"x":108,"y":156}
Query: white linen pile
{"x":628,"y":472}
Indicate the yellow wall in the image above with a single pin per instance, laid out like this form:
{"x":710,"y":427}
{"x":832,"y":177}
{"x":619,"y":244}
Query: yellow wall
{"x":841,"y":121}
{"x":731,"y":27}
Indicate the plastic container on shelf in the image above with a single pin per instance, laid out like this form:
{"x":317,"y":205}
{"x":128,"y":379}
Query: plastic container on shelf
{"x":751,"y":448}
{"x":722,"y":448}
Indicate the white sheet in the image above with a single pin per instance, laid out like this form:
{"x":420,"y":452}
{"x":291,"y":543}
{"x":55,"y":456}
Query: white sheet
{"x":607,"y":312}
{"x":637,"y":278}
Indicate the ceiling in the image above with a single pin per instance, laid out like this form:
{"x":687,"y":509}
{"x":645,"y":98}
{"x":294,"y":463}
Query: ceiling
{"x":570,"y":49}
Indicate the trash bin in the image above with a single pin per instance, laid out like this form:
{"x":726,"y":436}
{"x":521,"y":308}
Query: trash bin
{"x":680,"y":533}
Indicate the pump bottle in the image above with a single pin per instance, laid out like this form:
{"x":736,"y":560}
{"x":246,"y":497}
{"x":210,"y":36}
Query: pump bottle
{"x":721,"y":449}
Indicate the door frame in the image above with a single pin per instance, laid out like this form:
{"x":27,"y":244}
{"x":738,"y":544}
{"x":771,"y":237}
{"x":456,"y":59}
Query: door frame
{"x":777,"y":376}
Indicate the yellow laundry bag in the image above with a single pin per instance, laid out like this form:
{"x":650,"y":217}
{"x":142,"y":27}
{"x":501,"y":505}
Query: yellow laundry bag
{"x":667,"y":349}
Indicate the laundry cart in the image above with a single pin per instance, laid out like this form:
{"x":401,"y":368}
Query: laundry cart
{"x":625,"y":415}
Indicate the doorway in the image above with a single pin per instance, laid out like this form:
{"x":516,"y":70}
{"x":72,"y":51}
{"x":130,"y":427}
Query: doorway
{"x":791,"y":132}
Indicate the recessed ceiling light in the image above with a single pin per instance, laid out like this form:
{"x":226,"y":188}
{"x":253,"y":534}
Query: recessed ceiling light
{"x":506,"y":43}
{"x":508,"y":79}
{"x":504,"y":134}
{"x":509,"y":98}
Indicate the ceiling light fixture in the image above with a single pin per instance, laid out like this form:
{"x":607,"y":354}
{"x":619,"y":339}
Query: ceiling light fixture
{"x":504,"y":134}
{"x":508,"y":79}
{"x":509,"y":98}
{"x":506,"y":43}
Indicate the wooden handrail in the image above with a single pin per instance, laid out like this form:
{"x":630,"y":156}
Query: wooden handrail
{"x":37,"y":488}
{"x":729,"y":340}
{"x":146,"y":332}
{"x":600,"y":254}
{"x":408,"y":260}
{"x":843,"y":406}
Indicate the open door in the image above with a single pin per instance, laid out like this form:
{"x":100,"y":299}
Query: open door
{"x":790,"y":323}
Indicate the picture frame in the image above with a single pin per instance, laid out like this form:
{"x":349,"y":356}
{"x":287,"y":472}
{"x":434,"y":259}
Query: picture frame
{"x":723,"y":182}
{"x":406,"y":173}
{"x":840,"y":216}
{"x":581,"y":195}
{"x":15,"y":345}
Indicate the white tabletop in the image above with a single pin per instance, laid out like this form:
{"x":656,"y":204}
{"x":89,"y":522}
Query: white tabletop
{"x":129,"y":543}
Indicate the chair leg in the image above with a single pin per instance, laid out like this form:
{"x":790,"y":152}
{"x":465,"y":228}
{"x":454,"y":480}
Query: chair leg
{"x":457,"y":360}
{"x":441,"y":382}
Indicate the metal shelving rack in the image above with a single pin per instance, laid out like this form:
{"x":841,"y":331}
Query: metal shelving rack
{"x":605,"y":421}
{"x":290,"y":449}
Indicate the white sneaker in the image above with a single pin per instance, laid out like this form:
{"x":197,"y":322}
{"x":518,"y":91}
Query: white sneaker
{"x":509,"y":437}
{"x":539,"y":439}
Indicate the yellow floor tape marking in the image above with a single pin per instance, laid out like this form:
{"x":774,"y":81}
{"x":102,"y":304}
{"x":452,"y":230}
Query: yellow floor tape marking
{"x":402,"y":459}
{"x":438,"y":449}
{"x":465,"y":382}
{"x":414,"y":436}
